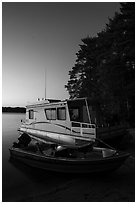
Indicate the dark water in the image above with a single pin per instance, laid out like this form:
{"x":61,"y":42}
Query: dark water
{"x":23,"y":183}
{"x":19,"y":181}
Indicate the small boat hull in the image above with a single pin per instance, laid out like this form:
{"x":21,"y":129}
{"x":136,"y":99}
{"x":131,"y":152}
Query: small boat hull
{"x":69,"y":165}
{"x":68,"y":140}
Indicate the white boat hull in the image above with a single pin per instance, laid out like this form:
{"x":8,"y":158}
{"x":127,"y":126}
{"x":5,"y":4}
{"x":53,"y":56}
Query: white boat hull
{"x":53,"y":137}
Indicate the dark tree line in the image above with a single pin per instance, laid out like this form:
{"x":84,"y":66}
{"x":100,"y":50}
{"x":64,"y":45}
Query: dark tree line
{"x":13,"y":110}
{"x":105,"y":67}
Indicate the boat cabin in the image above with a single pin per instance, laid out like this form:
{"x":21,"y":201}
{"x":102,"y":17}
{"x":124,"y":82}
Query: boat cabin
{"x":76,"y":110}
{"x":60,"y":120}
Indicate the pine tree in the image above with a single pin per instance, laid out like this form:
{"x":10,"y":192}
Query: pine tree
{"x":105,"y":66}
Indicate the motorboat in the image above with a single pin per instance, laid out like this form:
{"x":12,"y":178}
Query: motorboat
{"x":61,"y":136}
{"x":89,"y":159}
{"x":67,"y":122}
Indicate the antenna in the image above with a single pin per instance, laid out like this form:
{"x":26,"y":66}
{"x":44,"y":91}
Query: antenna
{"x":45,"y":84}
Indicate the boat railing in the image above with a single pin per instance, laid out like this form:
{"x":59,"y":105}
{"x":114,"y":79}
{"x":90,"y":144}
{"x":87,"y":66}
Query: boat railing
{"x":83,"y":127}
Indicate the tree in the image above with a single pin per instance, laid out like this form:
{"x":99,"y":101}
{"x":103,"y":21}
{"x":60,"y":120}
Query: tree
{"x":105,"y":66}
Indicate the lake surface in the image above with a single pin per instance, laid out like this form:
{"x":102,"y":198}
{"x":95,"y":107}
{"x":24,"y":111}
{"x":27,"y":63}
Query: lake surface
{"x":23,"y":183}
{"x":18,"y":180}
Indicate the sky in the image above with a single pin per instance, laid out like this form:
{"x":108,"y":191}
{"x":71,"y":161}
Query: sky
{"x":40,"y":41}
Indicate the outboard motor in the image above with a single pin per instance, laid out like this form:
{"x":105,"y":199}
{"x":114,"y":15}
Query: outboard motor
{"x":24,"y":140}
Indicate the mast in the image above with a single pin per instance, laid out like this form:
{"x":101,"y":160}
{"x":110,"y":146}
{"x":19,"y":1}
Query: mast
{"x":88,"y":110}
{"x":45,"y":84}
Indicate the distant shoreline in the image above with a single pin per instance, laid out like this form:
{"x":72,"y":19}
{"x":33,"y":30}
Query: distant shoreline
{"x":13,"y":110}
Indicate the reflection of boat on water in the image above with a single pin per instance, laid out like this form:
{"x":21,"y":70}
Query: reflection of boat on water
{"x":60,"y":136}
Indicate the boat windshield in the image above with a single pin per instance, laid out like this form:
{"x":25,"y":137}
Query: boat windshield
{"x":78,"y":111}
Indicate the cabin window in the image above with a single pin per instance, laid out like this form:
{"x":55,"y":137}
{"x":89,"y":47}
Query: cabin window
{"x":31,"y":114}
{"x":50,"y":113}
{"x":61,"y":113}
{"x":74,"y":114}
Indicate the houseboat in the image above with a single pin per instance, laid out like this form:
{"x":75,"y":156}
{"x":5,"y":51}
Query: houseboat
{"x":67,"y":123}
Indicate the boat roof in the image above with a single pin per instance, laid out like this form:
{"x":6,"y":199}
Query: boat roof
{"x":46,"y":102}
{"x":43,"y":102}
